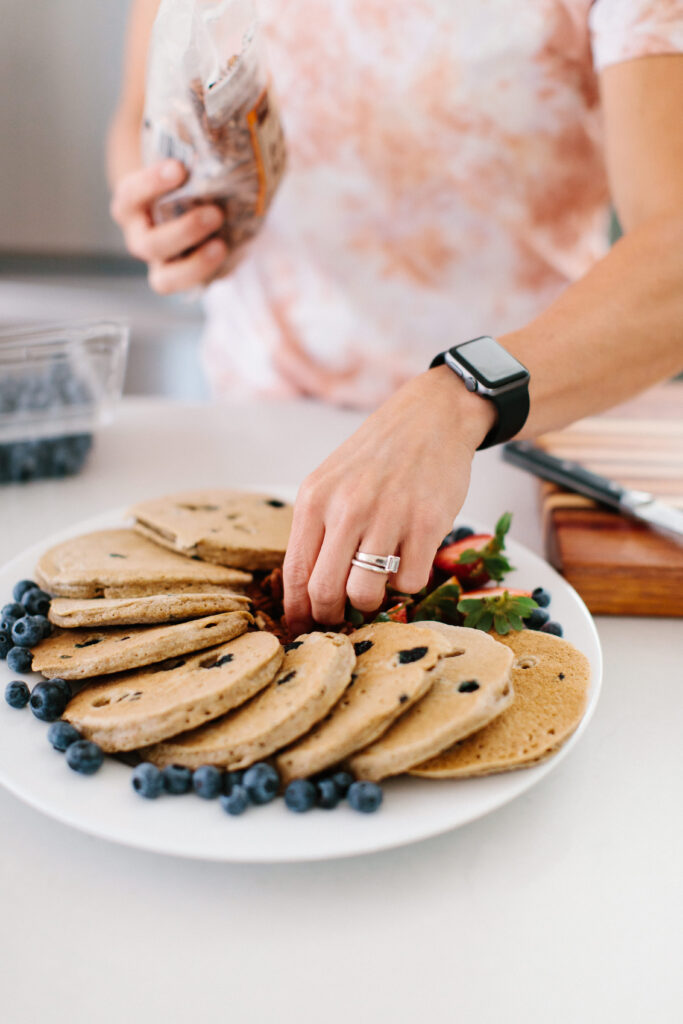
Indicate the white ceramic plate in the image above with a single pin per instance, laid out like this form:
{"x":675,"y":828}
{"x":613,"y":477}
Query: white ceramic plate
{"x":413,"y":809}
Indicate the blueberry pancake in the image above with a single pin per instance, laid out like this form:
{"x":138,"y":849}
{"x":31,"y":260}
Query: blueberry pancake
{"x":233,"y":528}
{"x":73,"y":612}
{"x":314,"y":674}
{"x":391,"y":673}
{"x":84,"y":653}
{"x":121,"y":563}
{"x":135,"y":709}
{"x":551,"y":679}
{"x":469,"y":689}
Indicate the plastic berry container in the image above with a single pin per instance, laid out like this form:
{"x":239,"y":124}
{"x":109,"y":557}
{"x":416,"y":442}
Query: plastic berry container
{"x":58,"y":384}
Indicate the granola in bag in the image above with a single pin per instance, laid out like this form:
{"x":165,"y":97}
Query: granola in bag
{"x":209,"y":104}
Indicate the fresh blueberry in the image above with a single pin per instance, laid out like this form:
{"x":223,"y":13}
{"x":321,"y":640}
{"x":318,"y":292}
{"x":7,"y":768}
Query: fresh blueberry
{"x":17,"y":694}
{"x":261,"y":783}
{"x":6,"y":627}
{"x":177,"y":779}
{"x":84,"y":757}
{"x":47,"y":701}
{"x":62,"y":734}
{"x":147,"y":780}
{"x":27,"y":631}
{"x":536,"y":618}
{"x":36,"y":602}
{"x":19,"y":659}
{"x":6,"y":646}
{"x":365,"y":796}
{"x":343,"y":781}
{"x":230,"y":780}
{"x":300,"y":795}
{"x":64,"y":686}
{"x":236,"y":802}
{"x":45,"y":625}
{"x":21,"y":587}
{"x":552,"y":627}
{"x":541,"y":597}
{"x":207,"y":781}
{"x":327,"y":795}
{"x":12,"y":611}
{"x":459,"y":533}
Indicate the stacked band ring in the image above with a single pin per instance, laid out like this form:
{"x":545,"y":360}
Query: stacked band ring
{"x":384,"y":564}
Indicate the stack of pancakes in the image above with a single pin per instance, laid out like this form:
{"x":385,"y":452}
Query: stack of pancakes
{"x":155,"y":623}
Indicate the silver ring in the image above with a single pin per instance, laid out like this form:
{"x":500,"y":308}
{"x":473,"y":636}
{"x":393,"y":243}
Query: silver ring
{"x":376,"y":563}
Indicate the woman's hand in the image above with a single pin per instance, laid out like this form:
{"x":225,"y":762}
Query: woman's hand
{"x":161,"y":246}
{"x":393,"y":488}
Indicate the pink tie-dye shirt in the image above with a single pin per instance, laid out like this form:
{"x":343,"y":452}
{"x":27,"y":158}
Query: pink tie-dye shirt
{"x":445,"y":180}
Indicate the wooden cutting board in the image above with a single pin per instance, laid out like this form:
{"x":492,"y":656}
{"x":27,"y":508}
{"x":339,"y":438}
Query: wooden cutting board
{"x":620,"y":566}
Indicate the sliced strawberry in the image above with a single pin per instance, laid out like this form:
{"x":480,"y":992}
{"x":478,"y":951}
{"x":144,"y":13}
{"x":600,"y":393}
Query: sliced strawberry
{"x":496,"y":608}
{"x":485,"y":592}
{"x":478,"y":558}
{"x":397,"y":613}
{"x":442,"y":604}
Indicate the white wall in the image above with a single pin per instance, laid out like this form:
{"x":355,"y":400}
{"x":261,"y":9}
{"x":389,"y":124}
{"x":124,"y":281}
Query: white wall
{"x":59,"y":70}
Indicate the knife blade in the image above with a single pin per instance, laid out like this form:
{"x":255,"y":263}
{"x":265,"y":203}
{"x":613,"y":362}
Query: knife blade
{"x":575,"y":477}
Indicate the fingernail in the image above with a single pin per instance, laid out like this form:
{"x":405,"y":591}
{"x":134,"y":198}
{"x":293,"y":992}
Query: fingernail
{"x":170,"y":170}
{"x":211,"y":215}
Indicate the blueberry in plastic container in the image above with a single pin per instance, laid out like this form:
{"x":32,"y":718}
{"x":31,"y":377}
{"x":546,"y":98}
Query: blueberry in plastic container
{"x":62,"y":734}
{"x":19,"y":659}
{"x":261,"y":782}
{"x":84,"y":757}
{"x":147,"y":780}
{"x":365,"y":797}
{"x":17,"y":694}
{"x":48,"y":702}
{"x":300,"y":795}
{"x":235,"y":802}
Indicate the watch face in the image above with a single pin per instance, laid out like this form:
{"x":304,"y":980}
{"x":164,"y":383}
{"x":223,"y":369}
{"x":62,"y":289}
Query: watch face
{"x":490,"y":363}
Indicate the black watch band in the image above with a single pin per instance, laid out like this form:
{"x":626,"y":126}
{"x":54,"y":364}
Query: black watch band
{"x":509,"y":392}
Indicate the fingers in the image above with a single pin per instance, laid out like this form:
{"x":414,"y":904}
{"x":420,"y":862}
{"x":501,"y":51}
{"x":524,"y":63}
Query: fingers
{"x":196,"y":269}
{"x":136,"y":191}
{"x":304,"y":544}
{"x":327,"y":584}
{"x":168,"y":241}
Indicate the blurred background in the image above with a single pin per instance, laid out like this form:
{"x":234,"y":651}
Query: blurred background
{"x":60,"y":255}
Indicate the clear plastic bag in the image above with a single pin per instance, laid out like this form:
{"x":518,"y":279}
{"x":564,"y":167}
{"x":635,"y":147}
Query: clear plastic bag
{"x":209,"y":104}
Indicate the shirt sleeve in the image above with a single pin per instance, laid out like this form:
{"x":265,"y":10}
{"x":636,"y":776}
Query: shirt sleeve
{"x":625,"y":29}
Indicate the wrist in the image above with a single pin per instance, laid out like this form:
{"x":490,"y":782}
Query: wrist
{"x":469,"y":414}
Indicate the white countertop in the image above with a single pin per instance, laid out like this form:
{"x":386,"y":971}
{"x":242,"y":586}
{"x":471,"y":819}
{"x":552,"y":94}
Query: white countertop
{"x":563,"y":907}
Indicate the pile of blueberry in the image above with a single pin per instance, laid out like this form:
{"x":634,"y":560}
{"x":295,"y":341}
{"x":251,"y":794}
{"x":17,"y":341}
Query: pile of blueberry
{"x":257,"y":785}
{"x":23,"y":624}
{"x":24,"y":397}
{"x":540,"y":618}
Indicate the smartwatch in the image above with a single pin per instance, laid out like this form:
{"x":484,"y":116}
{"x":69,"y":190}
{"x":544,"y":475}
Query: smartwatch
{"x":487,"y":369}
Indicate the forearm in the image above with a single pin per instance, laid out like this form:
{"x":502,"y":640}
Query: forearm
{"x":123,"y":146}
{"x":609,"y":335}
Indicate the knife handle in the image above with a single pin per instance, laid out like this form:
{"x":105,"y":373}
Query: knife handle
{"x":568,"y":474}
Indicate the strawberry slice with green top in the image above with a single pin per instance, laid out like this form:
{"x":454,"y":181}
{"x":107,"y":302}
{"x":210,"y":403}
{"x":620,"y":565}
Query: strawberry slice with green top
{"x":478,"y":558}
{"x":397,"y":613}
{"x":499,"y":608}
{"x":442,"y":604}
